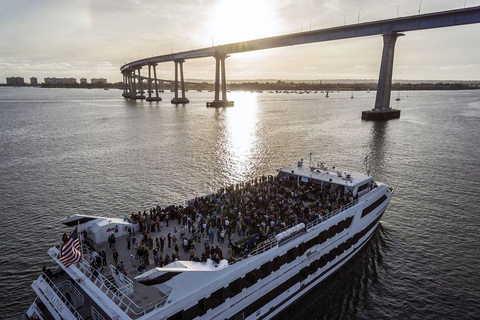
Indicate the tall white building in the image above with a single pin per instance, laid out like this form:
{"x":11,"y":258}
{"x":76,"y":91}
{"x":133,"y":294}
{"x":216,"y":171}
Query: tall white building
{"x":15,"y":81}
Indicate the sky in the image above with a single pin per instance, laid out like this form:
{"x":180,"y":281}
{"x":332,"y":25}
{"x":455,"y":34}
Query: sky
{"x":93,"y":38}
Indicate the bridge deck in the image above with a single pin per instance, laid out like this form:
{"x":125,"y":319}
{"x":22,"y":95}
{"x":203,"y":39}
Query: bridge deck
{"x":402,"y":24}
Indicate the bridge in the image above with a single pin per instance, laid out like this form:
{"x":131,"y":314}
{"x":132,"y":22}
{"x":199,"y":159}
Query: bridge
{"x":390,"y":29}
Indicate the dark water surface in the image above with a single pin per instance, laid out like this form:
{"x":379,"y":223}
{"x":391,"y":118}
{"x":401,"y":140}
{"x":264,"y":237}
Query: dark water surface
{"x":67,"y":151}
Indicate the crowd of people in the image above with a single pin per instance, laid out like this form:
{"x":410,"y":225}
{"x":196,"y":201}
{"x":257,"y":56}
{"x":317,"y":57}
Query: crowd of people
{"x":242,"y":215}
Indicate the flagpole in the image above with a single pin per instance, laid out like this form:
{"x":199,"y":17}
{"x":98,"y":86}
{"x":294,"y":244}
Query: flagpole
{"x":80,"y":236}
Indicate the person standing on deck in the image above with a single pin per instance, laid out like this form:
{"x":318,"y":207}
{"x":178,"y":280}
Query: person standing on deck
{"x":192,"y":253}
{"x":104,"y":257}
{"x":132,"y":262}
{"x":115,"y":256}
{"x":212,"y":236}
{"x":129,"y":241}
{"x":162,"y":243}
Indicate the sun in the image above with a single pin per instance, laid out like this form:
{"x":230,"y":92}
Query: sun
{"x":233,"y":21}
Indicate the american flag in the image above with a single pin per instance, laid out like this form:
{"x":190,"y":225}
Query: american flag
{"x":70,"y":252}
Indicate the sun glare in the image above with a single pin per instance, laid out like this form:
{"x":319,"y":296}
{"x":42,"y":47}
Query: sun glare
{"x":233,"y":21}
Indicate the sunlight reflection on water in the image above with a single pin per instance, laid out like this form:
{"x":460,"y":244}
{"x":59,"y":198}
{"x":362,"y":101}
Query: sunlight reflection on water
{"x":242,"y":135}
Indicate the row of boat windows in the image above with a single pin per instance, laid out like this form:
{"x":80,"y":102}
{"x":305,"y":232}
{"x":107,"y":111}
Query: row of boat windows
{"x":305,"y":272}
{"x":218,"y":297}
{"x":235,"y":287}
{"x":373,"y":206}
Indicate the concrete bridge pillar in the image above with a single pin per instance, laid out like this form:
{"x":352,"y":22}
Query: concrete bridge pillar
{"x":140,"y":80}
{"x":150,"y":98}
{"x":183,"y":99}
{"x":217,"y":103}
{"x":382,"y":110}
{"x":124,"y":81}
{"x":130,"y":85}
{"x":134,"y":85}
{"x":149,"y":81}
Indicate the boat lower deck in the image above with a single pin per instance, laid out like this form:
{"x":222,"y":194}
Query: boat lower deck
{"x":145,"y":295}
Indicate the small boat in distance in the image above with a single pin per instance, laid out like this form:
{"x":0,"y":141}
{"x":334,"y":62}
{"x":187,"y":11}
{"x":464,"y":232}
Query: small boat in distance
{"x":398,"y":97}
{"x":326,"y":96}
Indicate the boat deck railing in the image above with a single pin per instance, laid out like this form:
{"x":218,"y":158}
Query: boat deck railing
{"x":331,"y":214}
{"x":78,"y":300}
{"x":122,"y":280}
{"x":119,"y":294}
{"x":59,"y":293}
{"x":273,"y":242}
{"x":89,"y":252}
{"x":96,"y":315}
{"x":111,"y":290}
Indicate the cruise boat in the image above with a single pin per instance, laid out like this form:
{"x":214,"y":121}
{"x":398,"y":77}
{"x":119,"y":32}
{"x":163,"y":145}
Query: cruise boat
{"x":258,"y":283}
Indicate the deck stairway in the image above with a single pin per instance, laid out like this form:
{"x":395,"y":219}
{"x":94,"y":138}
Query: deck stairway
{"x":118,"y":289}
{"x":52,"y":297}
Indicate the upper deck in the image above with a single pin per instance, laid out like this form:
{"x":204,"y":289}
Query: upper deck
{"x":324,"y":174}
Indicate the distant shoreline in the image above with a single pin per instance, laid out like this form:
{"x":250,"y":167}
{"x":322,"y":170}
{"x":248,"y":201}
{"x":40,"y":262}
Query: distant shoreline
{"x":282,"y":86}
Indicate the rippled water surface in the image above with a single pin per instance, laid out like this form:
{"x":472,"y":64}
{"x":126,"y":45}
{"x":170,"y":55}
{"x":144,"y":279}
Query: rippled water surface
{"x":67,"y":151}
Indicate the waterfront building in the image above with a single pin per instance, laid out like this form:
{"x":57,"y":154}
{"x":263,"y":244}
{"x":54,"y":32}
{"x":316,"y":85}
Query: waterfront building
{"x":98,"y":81}
{"x":15,"y":81}
{"x":83,"y":81}
{"x":33,"y":81}
{"x":55,"y":81}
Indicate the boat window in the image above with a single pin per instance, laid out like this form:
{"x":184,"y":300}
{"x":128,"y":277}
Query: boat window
{"x":322,"y":237}
{"x":265,"y":269}
{"x":363,"y":187}
{"x":176,"y":316}
{"x":373,"y":206}
{"x":217,"y":298}
{"x":239,"y":316}
{"x":356,"y":237}
{"x":349,"y":243}
{"x":349,"y":221}
{"x":283,"y":259}
{"x":331,"y":232}
{"x":339,"y":227}
{"x":250,"y":278}
{"x":303,"y":274}
{"x":330,"y":256}
{"x":291,"y":254}
{"x":226,"y":293}
{"x":258,"y":274}
{"x":310,"y":243}
{"x":323,"y":261}
{"x":204,"y":304}
{"x":275,"y":264}
{"x":192,"y":312}
{"x":313,"y":267}
{"x":300,"y":249}
{"x":341,"y":248}
{"x":235,"y":287}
